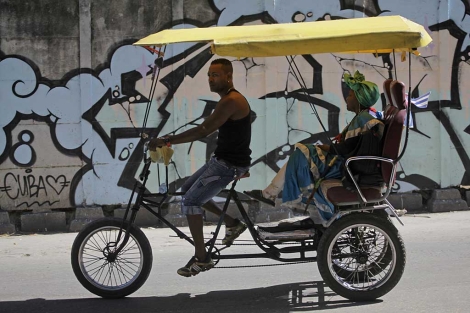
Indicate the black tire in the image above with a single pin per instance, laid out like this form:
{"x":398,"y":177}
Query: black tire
{"x":361,"y":256}
{"x":122,"y":276}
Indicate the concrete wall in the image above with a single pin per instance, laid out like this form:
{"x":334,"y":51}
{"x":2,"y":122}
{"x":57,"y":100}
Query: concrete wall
{"x":73,"y":92}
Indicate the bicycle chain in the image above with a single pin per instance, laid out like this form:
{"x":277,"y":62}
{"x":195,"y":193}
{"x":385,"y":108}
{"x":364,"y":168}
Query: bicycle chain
{"x":251,"y":244}
{"x":264,"y":265}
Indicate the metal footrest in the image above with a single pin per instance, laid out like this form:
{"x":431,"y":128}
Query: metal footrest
{"x":288,"y":224}
{"x":292,"y":235}
{"x":295,"y":228}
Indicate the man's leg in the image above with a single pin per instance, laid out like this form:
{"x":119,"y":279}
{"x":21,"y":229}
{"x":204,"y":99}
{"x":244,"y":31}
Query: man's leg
{"x":196,"y":227}
{"x":212,"y":207}
{"x":195,"y":224}
{"x":199,"y":189}
{"x":200,"y":261}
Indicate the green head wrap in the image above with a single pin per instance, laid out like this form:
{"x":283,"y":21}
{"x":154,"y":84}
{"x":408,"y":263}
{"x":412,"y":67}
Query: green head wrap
{"x":367,"y":93}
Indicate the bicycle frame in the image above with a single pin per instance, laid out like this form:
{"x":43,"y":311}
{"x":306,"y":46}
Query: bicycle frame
{"x":270,"y":249}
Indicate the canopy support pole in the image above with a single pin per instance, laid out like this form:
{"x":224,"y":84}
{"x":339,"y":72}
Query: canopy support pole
{"x":155,"y":75}
{"x":408,"y":110}
{"x":303,"y":86}
{"x":395,"y":65}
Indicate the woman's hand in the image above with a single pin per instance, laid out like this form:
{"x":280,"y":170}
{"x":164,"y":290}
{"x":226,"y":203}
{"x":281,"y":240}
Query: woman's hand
{"x":324,"y":147}
{"x":155,"y":142}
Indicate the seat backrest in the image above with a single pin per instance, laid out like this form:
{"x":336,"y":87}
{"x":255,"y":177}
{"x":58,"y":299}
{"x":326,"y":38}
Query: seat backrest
{"x":389,"y":110}
{"x":394,"y":119}
{"x":387,"y":92}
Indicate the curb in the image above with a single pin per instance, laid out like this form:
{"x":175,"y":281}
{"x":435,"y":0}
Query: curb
{"x":428,"y":201}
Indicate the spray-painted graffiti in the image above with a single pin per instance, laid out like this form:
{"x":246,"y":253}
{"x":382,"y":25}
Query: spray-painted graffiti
{"x":77,"y":142}
{"x":35,"y":173}
{"x":29,"y":185}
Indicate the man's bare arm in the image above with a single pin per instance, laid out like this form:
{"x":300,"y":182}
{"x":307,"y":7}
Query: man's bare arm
{"x":222,"y":112}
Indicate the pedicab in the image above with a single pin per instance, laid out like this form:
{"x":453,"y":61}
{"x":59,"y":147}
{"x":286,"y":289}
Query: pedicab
{"x":360,"y":253}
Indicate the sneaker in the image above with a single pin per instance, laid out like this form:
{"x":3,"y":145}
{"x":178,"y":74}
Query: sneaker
{"x":194,"y":266}
{"x":232,"y":233}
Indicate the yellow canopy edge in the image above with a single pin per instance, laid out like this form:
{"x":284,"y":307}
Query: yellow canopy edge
{"x":360,"y":35}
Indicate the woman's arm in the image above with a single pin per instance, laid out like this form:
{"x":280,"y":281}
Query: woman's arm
{"x":324,"y":147}
{"x":345,"y":147}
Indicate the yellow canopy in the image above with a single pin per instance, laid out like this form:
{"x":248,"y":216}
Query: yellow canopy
{"x":360,"y":35}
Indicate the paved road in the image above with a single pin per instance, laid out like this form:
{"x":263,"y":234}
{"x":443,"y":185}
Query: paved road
{"x":36,"y":276}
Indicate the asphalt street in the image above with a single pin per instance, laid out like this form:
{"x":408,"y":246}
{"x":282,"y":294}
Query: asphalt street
{"x":36,"y":276}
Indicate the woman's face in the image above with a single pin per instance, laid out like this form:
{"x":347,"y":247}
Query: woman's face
{"x":351,"y":102}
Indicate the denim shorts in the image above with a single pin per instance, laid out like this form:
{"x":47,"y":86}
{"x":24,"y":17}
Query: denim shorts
{"x":206,"y":183}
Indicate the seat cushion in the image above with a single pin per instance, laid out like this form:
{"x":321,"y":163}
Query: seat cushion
{"x":340,"y":196}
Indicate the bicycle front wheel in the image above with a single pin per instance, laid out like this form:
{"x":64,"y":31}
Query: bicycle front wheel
{"x":100,"y":269}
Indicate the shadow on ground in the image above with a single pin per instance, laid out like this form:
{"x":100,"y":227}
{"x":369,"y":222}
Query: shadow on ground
{"x":296,"y":297}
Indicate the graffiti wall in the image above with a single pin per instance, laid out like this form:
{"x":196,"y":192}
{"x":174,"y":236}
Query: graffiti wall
{"x":74,"y":141}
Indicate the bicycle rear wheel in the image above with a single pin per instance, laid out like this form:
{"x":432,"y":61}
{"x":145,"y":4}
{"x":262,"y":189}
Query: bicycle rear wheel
{"x":361,"y":256}
{"x":103,"y":272}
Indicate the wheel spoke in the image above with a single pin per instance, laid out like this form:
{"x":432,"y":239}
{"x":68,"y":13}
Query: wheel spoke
{"x":95,"y":244}
{"x":108,"y":275}
{"x":124,"y":271}
{"x":90,"y":263}
{"x":98,"y":271}
{"x":101,"y":236}
{"x":130,"y":265}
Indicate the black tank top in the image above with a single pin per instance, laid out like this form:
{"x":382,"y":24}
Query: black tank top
{"x":233,"y":142}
